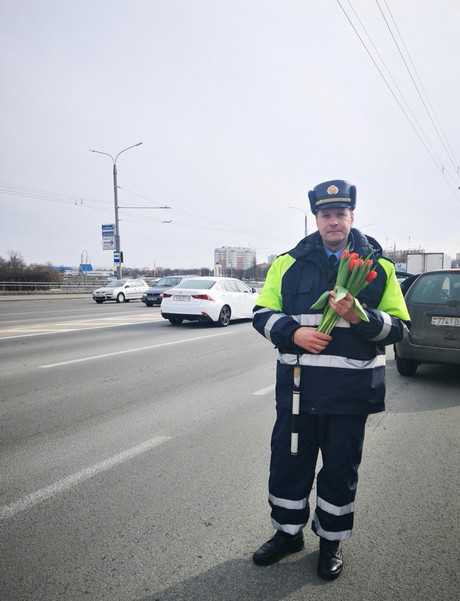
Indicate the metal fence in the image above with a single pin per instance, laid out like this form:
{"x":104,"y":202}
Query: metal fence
{"x":56,"y":288}
{"x":7,"y":288}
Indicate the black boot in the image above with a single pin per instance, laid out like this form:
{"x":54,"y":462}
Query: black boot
{"x":276,"y":548}
{"x":330,"y":563}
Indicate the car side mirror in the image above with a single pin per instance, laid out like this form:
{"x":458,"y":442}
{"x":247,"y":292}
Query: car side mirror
{"x":127,"y":286}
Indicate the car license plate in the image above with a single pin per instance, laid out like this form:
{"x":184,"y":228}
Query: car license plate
{"x":445,"y":321}
{"x":182,"y":297}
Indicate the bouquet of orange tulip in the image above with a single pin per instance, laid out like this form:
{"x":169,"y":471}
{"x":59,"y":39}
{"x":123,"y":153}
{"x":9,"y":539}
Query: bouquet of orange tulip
{"x":354,"y":274}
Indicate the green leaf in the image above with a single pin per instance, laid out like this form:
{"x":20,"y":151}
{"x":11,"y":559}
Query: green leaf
{"x":340,"y":293}
{"x":360,"y":311}
{"x":321,"y":302}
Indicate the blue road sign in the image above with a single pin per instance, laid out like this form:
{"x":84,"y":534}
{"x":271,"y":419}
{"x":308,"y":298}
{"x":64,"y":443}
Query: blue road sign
{"x":108,"y":236}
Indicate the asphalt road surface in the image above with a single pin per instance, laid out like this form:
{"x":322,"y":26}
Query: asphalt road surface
{"x":134,"y":459}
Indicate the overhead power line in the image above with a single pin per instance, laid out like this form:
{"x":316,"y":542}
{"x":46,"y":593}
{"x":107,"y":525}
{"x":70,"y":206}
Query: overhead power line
{"x":438,"y":164}
{"x":395,"y":83}
{"x":414,"y":82}
{"x":390,"y":89}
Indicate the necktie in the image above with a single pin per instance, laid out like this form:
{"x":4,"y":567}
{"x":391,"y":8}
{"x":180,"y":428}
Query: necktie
{"x":332,"y":260}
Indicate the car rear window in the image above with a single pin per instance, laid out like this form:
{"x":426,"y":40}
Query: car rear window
{"x":168,"y":281}
{"x":436,"y":289}
{"x":197,"y":284}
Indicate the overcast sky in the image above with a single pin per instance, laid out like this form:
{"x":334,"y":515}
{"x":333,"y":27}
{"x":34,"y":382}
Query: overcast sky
{"x":241,"y":106}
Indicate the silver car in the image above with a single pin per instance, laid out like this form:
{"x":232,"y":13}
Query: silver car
{"x":121,"y":291}
{"x":433,"y":300}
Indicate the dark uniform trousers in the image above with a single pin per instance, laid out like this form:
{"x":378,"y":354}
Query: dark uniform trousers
{"x":340,"y":439}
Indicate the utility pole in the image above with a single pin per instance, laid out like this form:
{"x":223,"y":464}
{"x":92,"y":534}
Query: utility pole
{"x":118,"y":252}
{"x":119,"y":268}
{"x":117,"y":223}
{"x":305,"y":217}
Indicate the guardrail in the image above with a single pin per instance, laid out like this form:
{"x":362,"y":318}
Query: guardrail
{"x":57,"y":288}
{"x":7,"y":288}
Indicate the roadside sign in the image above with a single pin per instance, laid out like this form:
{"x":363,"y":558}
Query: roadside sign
{"x":108,"y":236}
{"x":116,"y":257}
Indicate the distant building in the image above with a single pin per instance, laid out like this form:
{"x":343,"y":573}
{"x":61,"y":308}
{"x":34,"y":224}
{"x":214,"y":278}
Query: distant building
{"x":399,"y":256}
{"x":271,"y":258}
{"x":234,"y":258}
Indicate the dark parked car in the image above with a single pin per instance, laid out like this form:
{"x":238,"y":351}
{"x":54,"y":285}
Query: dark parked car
{"x":152,"y":296}
{"x":433,"y":300}
{"x":405,"y":279}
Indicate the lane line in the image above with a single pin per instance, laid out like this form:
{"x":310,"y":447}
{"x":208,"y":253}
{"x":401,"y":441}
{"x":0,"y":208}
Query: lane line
{"x":99,"y":327}
{"x":39,"y":334}
{"x":75,"y":313}
{"x":264,"y":391}
{"x":135,"y":350}
{"x":25,"y":323}
{"x":8,"y":511}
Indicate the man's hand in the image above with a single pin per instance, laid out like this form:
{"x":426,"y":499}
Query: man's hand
{"x":344,"y":308}
{"x":311,"y":340}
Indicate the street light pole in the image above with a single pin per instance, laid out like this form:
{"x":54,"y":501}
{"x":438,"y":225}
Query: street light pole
{"x":119,"y":269}
{"x":305,"y":217}
{"x":117,"y":222}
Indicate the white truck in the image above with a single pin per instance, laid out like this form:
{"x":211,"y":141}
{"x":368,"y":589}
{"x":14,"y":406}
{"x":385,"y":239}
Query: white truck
{"x":422,"y":262}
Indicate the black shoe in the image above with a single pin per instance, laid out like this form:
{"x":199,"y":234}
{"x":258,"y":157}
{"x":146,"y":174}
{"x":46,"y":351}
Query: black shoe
{"x":276,"y":548}
{"x":330,"y":563}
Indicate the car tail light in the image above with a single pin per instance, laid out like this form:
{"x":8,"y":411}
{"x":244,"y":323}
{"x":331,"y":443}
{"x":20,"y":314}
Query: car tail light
{"x":165,"y":295}
{"x":203,"y":297}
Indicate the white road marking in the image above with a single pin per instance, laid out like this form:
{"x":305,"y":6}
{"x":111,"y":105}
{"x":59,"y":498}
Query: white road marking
{"x":40,"y":334}
{"x":8,"y":511}
{"x":82,"y":328}
{"x":265,"y":390}
{"x":135,"y":350}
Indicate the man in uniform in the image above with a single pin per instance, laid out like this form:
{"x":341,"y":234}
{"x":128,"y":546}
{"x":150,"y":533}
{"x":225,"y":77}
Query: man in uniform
{"x":342,"y":377}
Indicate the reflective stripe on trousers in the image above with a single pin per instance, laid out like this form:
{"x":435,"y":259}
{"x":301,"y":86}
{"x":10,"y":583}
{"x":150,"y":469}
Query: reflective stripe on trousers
{"x":340,"y":439}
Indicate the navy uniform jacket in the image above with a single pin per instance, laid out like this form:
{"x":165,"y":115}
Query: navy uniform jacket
{"x":349,"y":375}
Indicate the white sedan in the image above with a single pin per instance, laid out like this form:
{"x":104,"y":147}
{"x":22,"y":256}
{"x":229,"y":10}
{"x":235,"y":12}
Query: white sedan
{"x":121,"y":291}
{"x":214,"y":299}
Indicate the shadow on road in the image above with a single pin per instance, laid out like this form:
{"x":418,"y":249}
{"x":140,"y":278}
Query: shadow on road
{"x":241,"y":580}
{"x":434,"y":387}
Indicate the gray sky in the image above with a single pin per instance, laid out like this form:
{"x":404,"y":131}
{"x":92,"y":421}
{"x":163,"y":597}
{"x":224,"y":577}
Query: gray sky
{"x":241,"y":106}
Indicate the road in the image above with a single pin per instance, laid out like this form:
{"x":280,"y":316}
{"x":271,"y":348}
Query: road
{"x":134,"y":456}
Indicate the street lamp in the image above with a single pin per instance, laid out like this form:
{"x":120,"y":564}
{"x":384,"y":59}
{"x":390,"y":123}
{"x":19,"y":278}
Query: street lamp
{"x":305,"y":215}
{"x":115,"y":201}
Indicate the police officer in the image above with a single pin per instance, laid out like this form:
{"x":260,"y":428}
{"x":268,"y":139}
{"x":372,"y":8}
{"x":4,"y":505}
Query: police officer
{"x":339,"y":379}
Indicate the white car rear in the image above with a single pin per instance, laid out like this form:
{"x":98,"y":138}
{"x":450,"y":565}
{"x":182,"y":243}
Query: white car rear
{"x":213,"y":299}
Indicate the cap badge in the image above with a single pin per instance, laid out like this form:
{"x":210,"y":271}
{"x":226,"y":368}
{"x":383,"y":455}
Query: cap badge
{"x":332,"y":190}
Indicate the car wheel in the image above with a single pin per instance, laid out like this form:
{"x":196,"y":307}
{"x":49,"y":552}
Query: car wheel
{"x":99,"y":301}
{"x":406,"y":367}
{"x":175,"y":321}
{"x":121,"y":298}
{"x":224,"y":316}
